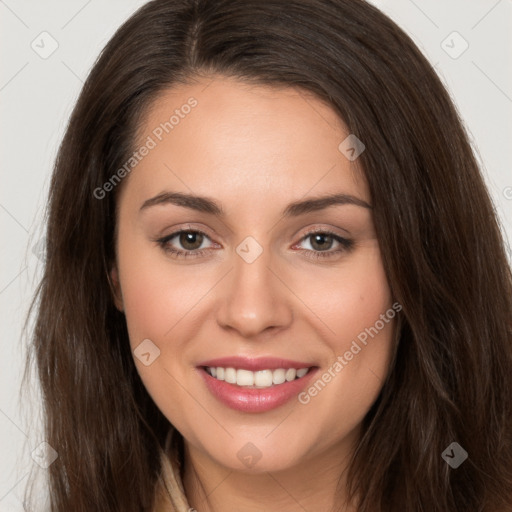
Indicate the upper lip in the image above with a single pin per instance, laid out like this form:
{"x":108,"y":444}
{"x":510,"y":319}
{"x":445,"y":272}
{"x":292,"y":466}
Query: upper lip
{"x":255,"y":364}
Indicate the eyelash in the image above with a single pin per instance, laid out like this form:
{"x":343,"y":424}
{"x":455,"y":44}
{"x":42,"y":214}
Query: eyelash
{"x":346,"y":244}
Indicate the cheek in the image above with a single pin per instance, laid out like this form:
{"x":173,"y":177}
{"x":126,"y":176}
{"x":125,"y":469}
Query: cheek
{"x":355,"y":303}
{"x":156,"y":292}
{"x":360,"y":342}
{"x":144,"y":293}
{"x":365,"y":323}
{"x":350,"y":298}
{"x":156,"y":297}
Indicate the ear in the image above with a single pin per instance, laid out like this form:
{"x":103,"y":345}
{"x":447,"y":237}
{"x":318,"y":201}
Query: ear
{"x":115,"y":288}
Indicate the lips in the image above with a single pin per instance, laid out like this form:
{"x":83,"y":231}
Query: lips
{"x":246,"y":395}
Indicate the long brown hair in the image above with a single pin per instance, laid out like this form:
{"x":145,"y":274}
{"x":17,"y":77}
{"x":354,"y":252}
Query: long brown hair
{"x":440,"y":241}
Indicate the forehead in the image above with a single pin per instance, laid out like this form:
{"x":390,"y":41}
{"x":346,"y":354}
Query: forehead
{"x":224,"y":137}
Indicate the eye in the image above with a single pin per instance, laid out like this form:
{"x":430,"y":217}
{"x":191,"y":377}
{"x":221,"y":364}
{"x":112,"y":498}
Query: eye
{"x":322,"y":241}
{"x":190,"y":240}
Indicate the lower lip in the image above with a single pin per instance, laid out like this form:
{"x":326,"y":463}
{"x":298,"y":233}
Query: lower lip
{"x":251,"y":399}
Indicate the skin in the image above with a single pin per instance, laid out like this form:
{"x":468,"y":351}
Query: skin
{"x":253,"y":149}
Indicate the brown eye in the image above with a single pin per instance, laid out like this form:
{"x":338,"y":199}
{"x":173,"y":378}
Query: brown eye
{"x":324,"y":244}
{"x":321,"y":241}
{"x":184,"y":243}
{"x":191,"y":240}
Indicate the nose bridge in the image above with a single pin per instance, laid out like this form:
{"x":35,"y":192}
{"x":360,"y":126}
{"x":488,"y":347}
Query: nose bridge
{"x":253,"y":299}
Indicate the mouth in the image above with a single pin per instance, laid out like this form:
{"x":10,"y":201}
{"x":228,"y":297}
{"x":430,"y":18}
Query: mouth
{"x":261,"y":379}
{"x":255,"y":385}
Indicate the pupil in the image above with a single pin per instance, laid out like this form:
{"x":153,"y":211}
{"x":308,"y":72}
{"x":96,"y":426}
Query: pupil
{"x":321,"y":238}
{"x":187,"y":239}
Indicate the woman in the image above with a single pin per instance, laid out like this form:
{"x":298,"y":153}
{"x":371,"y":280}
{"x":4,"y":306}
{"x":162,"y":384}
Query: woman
{"x":274,"y":277}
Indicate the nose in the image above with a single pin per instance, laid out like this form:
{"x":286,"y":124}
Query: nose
{"x":254,"y":298}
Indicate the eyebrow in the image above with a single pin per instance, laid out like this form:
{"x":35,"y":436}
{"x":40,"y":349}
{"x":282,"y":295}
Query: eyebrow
{"x":210,"y":206}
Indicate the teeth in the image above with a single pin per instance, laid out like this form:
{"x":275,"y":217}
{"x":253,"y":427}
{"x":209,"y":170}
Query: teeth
{"x":259,"y":379}
{"x":291,"y":373}
{"x":230,"y":375}
{"x":263,"y":378}
{"x":279,"y":376}
{"x":302,"y":372}
{"x":244,"y":378}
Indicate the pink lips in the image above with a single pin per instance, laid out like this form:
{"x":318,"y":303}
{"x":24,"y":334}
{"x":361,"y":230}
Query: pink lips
{"x":253,"y":400}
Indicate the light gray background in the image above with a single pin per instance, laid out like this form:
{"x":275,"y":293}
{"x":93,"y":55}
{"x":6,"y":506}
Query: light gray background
{"x":37,"y":95}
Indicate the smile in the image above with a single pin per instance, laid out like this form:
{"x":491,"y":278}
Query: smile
{"x":255,"y":385}
{"x":256,"y":380}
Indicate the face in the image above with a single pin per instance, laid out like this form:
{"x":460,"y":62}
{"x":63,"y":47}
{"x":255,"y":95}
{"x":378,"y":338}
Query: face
{"x":256,"y":278}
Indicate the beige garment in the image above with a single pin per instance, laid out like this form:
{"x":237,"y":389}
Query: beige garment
{"x":170,"y":494}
